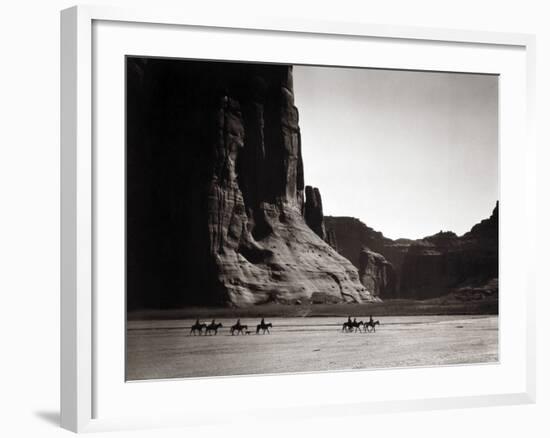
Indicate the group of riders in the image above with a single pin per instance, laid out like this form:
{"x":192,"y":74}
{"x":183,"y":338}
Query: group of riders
{"x":354,"y":326}
{"x":238,"y":328}
{"x":242,"y":329}
{"x":211,"y":328}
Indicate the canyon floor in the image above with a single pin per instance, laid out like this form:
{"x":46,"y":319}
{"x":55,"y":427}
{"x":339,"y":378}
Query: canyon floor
{"x":163,"y":348}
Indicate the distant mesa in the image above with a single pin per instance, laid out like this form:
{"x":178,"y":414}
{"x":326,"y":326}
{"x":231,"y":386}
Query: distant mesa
{"x":434,"y":266}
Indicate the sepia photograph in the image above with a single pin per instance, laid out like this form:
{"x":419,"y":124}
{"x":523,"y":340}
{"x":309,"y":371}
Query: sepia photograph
{"x":299,"y":218}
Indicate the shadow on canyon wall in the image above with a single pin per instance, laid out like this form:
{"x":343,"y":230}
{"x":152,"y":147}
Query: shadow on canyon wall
{"x":218,"y":213}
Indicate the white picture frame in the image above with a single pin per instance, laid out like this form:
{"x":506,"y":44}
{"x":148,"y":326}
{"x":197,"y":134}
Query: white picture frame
{"x":83,"y":316}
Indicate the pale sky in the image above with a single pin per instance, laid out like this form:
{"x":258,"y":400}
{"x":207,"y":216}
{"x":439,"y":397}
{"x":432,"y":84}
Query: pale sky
{"x":408,"y":153}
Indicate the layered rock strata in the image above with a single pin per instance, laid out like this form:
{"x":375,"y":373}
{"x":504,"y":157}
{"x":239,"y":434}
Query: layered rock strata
{"x":216,"y":191}
{"x":376,"y":273}
{"x":424,"y":268}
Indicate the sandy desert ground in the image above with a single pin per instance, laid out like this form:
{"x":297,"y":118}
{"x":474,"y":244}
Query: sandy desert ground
{"x":165,"y":349}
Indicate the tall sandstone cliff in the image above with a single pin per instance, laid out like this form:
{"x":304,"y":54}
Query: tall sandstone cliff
{"x":215,"y":191}
{"x":425,"y":268}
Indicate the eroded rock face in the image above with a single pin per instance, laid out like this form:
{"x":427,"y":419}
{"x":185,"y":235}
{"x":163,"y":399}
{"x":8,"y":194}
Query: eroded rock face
{"x":350,"y":236}
{"x":429,"y":267}
{"x":444,"y":261}
{"x":376,"y":273}
{"x":216,"y":191}
{"x":313,"y":211}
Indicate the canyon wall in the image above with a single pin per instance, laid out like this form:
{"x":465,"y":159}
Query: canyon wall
{"x":425,"y":268}
{"x":215,"y":191}
{"x":376,"y":273}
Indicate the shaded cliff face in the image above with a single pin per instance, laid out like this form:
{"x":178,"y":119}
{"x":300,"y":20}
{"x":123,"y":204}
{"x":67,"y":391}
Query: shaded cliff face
{"x":350,"y":236}
{"x":428,"y":267}
{"x":215,"y":191}
{"x":445,"y":261}
{"x":376,"y":273}
{"x":313,"y":212}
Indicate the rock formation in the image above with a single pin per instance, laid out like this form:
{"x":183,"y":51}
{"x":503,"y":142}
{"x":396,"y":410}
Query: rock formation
{"x":428,"y":267}
{"x":313,"y":211}
{"x":215,"y":191}
{"x":376,"y":273}
{"x":350,"y":236}
{"x":445,"y":261}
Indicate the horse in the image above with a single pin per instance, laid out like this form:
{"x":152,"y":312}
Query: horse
{"x":348,"y":326}
{"x":213,"y":328}
{"x":239,"y":328}
{"x":264,"y":327}
{"x":197,"y":327}
{"x":235,"y":328}
{"x":371,"y":324}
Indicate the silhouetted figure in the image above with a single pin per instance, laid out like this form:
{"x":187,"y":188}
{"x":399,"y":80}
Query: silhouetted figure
{"x":197,"y":327}
{"x":371,"y":324}
{"x":237,"y":327}
{"x":263,"y":326}
{"x":213,"y":327}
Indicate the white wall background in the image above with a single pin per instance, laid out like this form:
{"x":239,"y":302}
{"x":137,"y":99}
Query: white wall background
{"x":29,"y":215}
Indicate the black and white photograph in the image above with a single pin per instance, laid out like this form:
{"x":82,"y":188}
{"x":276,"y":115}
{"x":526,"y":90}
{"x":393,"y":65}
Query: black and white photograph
{"x":267,"y":219}
{"x":289,"y":218}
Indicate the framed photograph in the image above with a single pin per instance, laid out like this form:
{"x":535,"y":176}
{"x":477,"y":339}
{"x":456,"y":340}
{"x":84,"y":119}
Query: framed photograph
{"x":272,"y":217}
